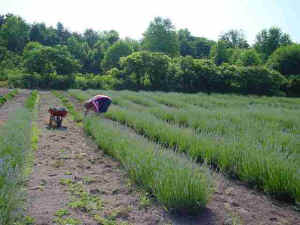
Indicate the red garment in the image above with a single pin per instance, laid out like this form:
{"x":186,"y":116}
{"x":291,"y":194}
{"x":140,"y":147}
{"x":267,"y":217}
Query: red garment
{"x":96,"y":100}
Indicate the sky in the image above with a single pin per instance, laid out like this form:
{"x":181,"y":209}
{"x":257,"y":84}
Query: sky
{"x":203,"y":18}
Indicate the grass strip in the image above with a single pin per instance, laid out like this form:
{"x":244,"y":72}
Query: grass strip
{"x":175,"y":181}
{"x":8,"y":96}
{"x":15,"y":145}
{"x":269,"y":171}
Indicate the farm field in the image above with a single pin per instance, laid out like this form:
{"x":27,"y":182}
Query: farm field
{"x":158,"y":158}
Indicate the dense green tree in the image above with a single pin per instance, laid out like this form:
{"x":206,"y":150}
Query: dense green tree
{"x":134,"y":44}
{"x":220,"y":52}
{"x":91,"y":37}
{"x":267,"y":41}
{"x":202,"y":47}
{"x":114,"y":53}
{"x":185,"y":39}
{"x":8,"y":61}
{"x":2,"y":20}
{"x":14,"y":33}
{"x":38,"y":32}
{"x":109,"y":36}
{"x":235,"y":39}
{"x":45,"y":60}
{"x":260,"y":80}
{"x":161,"y":37}
{"x":286,"y":60}
{"x":250,"y":57}
{"x":62,"y":33}
{"x":135,"y":67}
{"x":245,"y":57}
{"x":80,"y":51}
{"x":146,"y":69}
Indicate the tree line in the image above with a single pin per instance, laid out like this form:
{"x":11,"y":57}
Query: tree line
{"x":40,"y":56}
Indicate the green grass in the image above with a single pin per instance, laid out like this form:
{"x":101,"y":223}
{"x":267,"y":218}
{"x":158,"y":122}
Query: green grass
{"x":31,"y":100}
{"x":15,"y":145}
{"x":8,"y":96}
{"x":257,"y":144}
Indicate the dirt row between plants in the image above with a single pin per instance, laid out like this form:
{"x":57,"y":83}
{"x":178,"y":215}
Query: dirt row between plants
{"x":10,"y":107}
{"x":235,"y":203}
{"x":4,"y":91}
{"x":73,"y":182}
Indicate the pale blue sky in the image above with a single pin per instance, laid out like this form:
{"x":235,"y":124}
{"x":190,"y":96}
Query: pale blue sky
{"x":206,"y":18}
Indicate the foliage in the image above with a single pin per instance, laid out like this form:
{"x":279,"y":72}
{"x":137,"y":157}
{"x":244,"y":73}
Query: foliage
{"x":114,"y":53}
{"x":161,"y":36}
{"x":202,"y":47}
{"x":14,"y":33}
{"x":8,"y":96}
{"x":267,"y":41}
{"x":53,"y":55}
{"x":8,"y":60}
{"x":197,"y":47}
{"x":286,"y":60}
{"x":293,"y":86}
{"x":45,"y":60}
{"x":235,"y":39}
{"x":248,"y":57}
{"x":220,"y":53}
{"x":260,"y":80}
{"x":146,"y":68}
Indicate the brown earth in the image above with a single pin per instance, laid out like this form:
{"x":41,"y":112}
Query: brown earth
{"x":66,"y":162}
{"x":3,"y":91}
{"x":235,"y":203}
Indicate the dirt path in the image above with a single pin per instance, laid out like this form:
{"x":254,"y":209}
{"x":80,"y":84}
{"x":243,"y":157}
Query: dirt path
{"x":233,"y":203}
{"x":4,"y":91}
{"x":74,"y":180}
{"x":9,"y":107}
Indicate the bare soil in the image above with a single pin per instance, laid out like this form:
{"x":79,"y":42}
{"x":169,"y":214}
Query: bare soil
{"x":67,"y":154}
{"x":3,"y":91}
{"x":233,"y":202}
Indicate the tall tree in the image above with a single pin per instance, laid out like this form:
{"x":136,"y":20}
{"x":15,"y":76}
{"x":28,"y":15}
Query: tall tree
{"x":220,"y":53}
{"x":235,"y":39}
{"x":2,"y":20}
{"x":202,"y":47}
{"x":62,"y":33}
{"x":286,"y":60}
{"x":38,"y":33}
{"x":110,"y":36}
{"x":114,"y":53}
{"x":267,"y":41}
{"x":91,"y":37}
{"x":14,"y":33}
{"x":161,"y":37}
{"x":185,"y":39}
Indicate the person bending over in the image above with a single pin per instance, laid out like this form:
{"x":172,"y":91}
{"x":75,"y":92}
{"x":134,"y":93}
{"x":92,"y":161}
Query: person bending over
{"x":98,"y":103}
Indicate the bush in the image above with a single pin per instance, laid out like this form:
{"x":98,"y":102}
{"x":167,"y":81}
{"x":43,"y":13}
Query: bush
{"x":45,"y":60}
{"x":286,"y":60}
{"x":260,"y":80}
{"x":249,"y":57}
{"x":293,"y":86}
